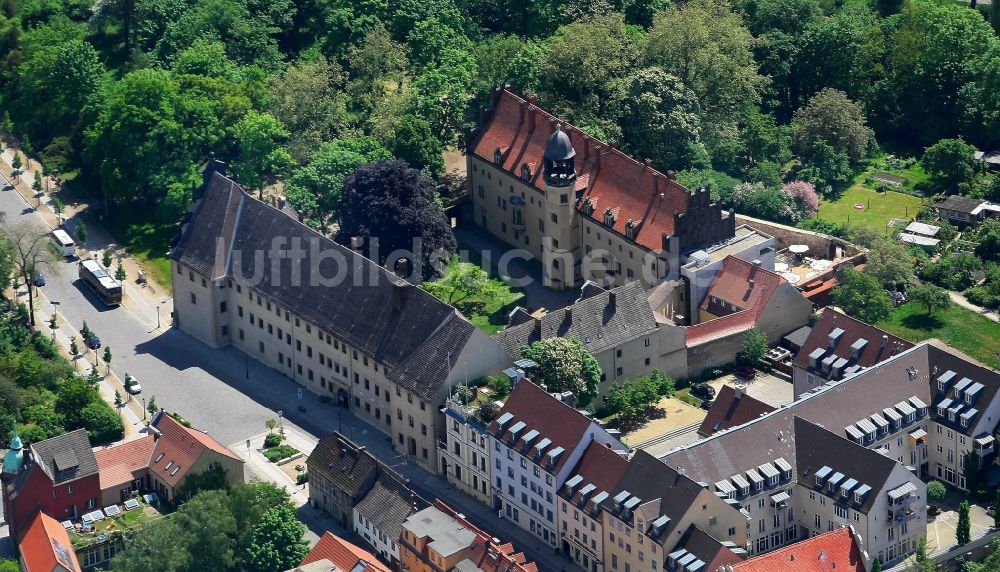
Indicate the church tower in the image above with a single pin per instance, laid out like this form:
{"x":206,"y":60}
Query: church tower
{"x":559,"y":172}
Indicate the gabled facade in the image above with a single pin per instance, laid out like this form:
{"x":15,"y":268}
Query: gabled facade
{"x":535,"y":443}
{"x":331,"y":550}
{"x":465,"y":452}
{"x":340,"y":474}
{"x":45,"y":547}
{"x":331,"y":320}
{"x":57,"y":476}
{"x":379,"y":516}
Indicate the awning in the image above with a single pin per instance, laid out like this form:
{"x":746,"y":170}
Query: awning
{"x":902,"y":490}
{"x":780,"y":497}
{"x":918,"y":434}
{"x":985,"y":441}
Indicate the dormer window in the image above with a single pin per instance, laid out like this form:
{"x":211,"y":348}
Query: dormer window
{"x":609,"y":217}
{"x":497,"y":156}
{"x":942,"y":384}
{"x":630,"y":229}
{"x":525,"y":171}
{"x":968,"y":398}
{"x":965,"y":421}
{"x":588,"y":206}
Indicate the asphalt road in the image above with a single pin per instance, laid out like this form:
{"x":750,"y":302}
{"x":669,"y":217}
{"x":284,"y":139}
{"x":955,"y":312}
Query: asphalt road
{"x":230,"y":396}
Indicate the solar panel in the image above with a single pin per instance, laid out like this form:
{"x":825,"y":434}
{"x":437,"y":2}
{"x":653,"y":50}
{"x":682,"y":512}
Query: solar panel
{"x":112,"y":510}
{"x":96,"y":515}
{"x":131,"y":504}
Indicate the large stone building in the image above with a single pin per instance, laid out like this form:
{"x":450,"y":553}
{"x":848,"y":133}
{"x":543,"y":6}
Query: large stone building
{"x":247,"y":275}
{"x":582,"y":207}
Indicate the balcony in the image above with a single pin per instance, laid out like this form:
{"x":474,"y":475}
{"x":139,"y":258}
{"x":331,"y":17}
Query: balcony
{"x":984,"y":445}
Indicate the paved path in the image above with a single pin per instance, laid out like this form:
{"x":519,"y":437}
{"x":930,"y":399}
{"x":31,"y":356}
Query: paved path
{"x":230,"y":396}
{"x":965,"y":303}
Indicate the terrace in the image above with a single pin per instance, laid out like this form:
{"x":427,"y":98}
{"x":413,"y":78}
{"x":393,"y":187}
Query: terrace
{"x":108,"y":523}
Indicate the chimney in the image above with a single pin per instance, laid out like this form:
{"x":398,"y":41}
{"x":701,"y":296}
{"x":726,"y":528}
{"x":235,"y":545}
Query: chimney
{"x":532,"y":111}
{"x":738,"y":392}
{"x":586,"y":147}
{"x":753,"y":268}
{"x":281,"y":202}
{"x":597,"y":157}
{"x":569,"y":314}
{"x":656,"y":184}
{"x":274,"y":201}
{"x":671,"y":175}
{"x":885,"y":340}
{"x":538,"y":327}
{"x":398,"y":295}
{"x":522,"y":108}
{"x":613,"y":300}
{"x":648,"y":163}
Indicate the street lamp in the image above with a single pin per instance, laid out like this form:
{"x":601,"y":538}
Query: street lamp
{"x":55,"y":318}
{"x":157,"y":316}
{"x":143,"y":408}
{"x":281,"y":428}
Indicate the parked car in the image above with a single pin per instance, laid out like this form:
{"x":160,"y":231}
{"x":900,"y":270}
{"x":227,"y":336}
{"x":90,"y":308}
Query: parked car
{"x":39,"y":280}
{"x":707,"y":404}
{"x":703,"y":391}
{"x":745,"y":372}
{"x":93,"y":342}
{"x":132,"y":385}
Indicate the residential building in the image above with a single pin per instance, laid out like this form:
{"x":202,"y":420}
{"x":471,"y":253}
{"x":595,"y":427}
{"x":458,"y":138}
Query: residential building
{"x":731,"y":407}
{"x":438,"y":538}
{"x":465,"y":453}
{"x":835,"y":551}
{"x":580,"y":524}
{"x":652,"y":506}
{"x":57,"y":476}
{"x":616,"y":326}
{"x":247,"y":275}
{"x":924,"y":411}
{"x":597,"y":214}
{"x":379,"y":516}
{"x":340,"y":474}
{"x":334,"y":553}
{"x":697,"y":550}
{"x":45,"y":546}
{"x":124,"y":469}
{"x":535,"y":443}
{"x":966,"y":211}
{"x":839,"y":345}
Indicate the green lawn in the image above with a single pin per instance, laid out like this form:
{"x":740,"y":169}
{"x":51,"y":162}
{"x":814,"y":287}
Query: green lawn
{"x":879,"y":208}
{"x":146,"y":241}
{"x":963,"y":329}
{"x":488,"y":312}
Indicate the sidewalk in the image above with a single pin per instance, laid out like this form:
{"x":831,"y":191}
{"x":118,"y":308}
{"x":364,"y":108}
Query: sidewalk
{"x":140,"y":300}
{"x":964,"y":302}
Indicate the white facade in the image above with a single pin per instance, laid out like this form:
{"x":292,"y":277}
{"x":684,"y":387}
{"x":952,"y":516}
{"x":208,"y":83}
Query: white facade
{"x":384,"y":544}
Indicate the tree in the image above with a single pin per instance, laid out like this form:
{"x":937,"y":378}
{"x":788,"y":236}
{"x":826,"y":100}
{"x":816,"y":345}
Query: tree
{"x":935,"y":491}
{"x":315,"y":189}
{"x":931,"y":296}
{"x":106,"y":258}
{"x":862,"y":297}
{"x":713,"y":57}
{"x":276,"y":541}
{"x":74,"y":349}
{"x":73,"y":396}
{"x":16,"y":165}
{"x":414,"y":142}
{"x":963,"y":533}
{"x":832,"y":118}
{"x":120,"y":274}
{"x":81,"y":231}
{"x":631,"y":400}
{"x":85,"y":331}
{"x":950,"y":162}
{"x":921,"y":555}
{"x":374,"y":63}
{"x":755,"y":345}
{"x":460,"y":281}
{"x":119,"y":403}
{"x":988,"y":240}
{"x":37,"y":185}
{"x":660,"y":119}
{"x":564,"y":365}
{"x":151,"y":406}
{"x":103,"y":424}
{"x":826,"y":167}
{"x":308,"y":100}
{"x":803,"y":194}
{"x":889,"y":262}
{"x":30,"y":252}
{"x":488,"y":411}
{"x":876,"y":565}
{"x":394,"y":203}
{"x":583,"y":62}
{"x":260,"y":140}
{"x":953,"y":271}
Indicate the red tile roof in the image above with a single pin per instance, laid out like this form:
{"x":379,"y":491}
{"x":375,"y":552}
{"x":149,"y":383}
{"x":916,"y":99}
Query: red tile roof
{"x":874,"y":352}
{"x":117,"y":464}
{"x":45,"y":545}
{"x":731,"y":409}
{"x":486,"y":554}
{"x":343,"y":554}
{"x":180,"y":446}
{"x":610,"y":178}
{"x":539,"y":411}
{"x":740,"y":284}
{"x":600,"y":466}
{"x":835,"y":550}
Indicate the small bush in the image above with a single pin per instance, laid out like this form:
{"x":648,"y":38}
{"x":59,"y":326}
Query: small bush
{"x":275,"y":454}
{"x":272,"y":440}
{"x":302,"y":478}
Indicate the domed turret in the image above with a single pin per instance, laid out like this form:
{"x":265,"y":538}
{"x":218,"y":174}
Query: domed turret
{"x":558,"y":159}
{"x":15,"y":456}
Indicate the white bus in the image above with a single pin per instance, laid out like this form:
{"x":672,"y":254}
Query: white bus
{"x":64,"y":243}
{"x":103,"y":285}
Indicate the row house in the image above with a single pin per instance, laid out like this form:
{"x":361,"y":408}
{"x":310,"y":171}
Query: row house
{"x":247,"y":275}
{"x":465,"y":453}
{"x":534,"y":445}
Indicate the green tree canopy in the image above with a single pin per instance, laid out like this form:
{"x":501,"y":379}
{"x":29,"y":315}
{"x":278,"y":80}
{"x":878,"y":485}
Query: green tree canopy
{"x":930,"y":296}
{"x":889,"y":262}
{"x":276,"y":541}
{"x":832,"y":118}
{"x":862,"y":297}
{"x":414,"y":142}
{"x":950,"y":162}
{"x":564,"y":365}
{"x":755,"y":345}
{"x":307,"y":97}
{"x":260,"y":140}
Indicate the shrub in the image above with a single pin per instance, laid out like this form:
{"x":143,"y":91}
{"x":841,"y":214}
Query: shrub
{"x":302,"y":478}
{"x":272,"y":440}
{"x":935,"y":491}
{"x":500,"y":385}
{"x":275,"y":454}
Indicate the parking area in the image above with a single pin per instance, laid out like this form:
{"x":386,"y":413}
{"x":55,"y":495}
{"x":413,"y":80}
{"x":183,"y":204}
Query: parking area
{"x":941,"y":528}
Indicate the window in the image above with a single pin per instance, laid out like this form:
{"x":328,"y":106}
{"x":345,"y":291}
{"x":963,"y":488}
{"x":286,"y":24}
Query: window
{"x":194,"y":299}
{"x":840,"y":511}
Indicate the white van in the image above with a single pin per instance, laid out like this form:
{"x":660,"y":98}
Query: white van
{"x":64,"y":243}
